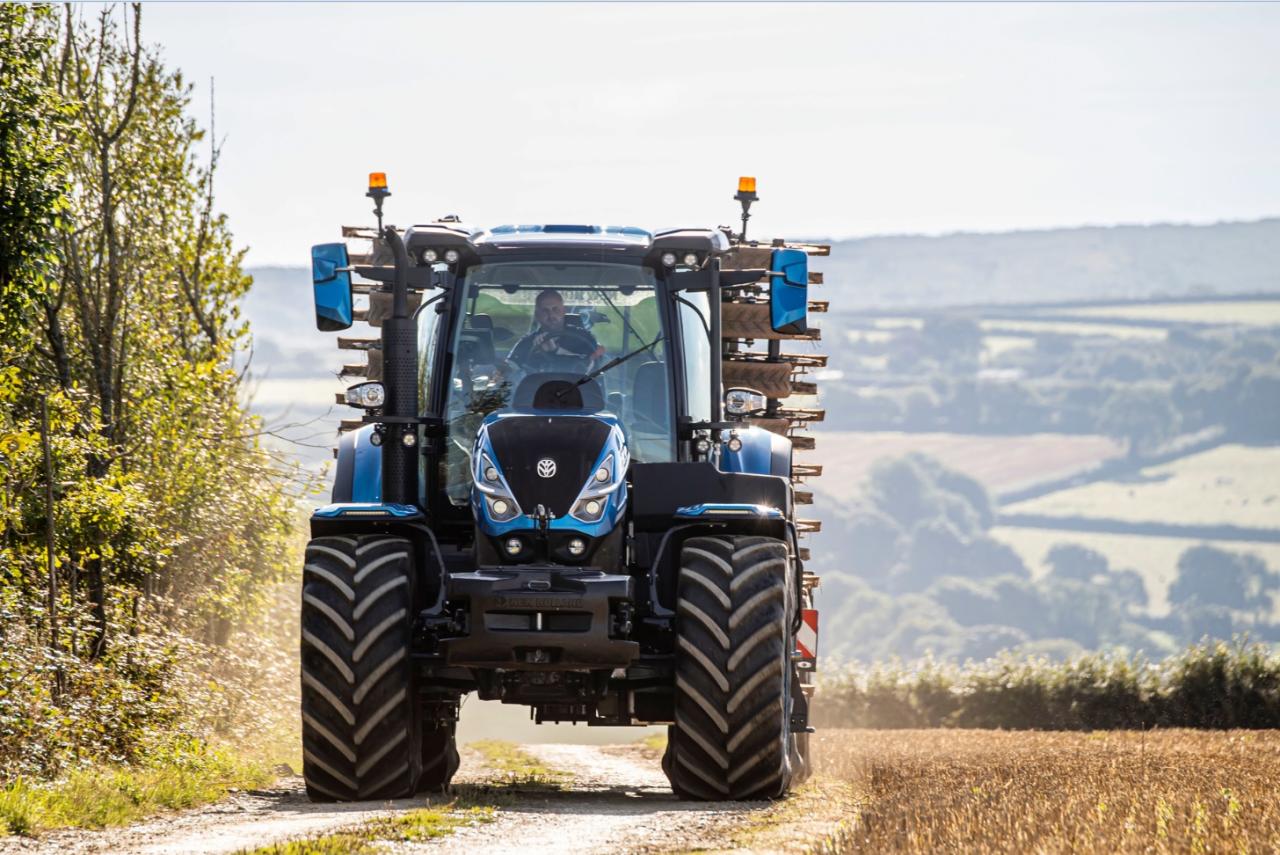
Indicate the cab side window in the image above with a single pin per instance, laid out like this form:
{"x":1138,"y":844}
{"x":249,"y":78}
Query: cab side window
{"x":428,"y":336}
{"x":695,"y":341}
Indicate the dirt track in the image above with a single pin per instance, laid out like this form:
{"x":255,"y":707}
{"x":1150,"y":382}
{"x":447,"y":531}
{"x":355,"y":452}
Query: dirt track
{"x":617,"y":800}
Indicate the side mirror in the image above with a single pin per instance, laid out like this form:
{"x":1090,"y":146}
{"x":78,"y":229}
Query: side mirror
{"x":789,"y":291}
{"x":331,"y":283}
{"x":740,"y":402}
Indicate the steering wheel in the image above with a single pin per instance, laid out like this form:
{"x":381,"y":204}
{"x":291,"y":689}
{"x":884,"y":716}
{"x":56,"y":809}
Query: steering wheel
{"x":571,"y":349}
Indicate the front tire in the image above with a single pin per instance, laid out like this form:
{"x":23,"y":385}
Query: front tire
{"x":360,"y":734}
{"x":732,"y":734}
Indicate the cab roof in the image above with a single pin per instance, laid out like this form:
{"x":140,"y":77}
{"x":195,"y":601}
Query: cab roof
{"x":541,"y":235}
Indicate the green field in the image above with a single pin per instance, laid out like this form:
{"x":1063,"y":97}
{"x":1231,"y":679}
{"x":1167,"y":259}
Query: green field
{"x":1229,"y":485}
{"x":1252,"y":312}
{"x":1000,"y":462}
{"x":1155,"y":558}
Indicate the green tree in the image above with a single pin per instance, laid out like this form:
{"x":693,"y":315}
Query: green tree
{"x":1143,"y":418}
{"x":32,"y":162}
{"x":171,"y":516}
{"x":1076,"y":562}
{"x":1215,"y":577}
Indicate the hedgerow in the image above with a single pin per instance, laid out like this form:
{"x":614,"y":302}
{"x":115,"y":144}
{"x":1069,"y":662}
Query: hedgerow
{"x":1211,"y":685}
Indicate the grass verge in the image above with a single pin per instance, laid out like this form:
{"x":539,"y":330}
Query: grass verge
{"x":180,"y":774}
{"x":411,"y":827}
{"x":811,"y":819}
{"x":653,"y":746}
{"x":517,"y":767}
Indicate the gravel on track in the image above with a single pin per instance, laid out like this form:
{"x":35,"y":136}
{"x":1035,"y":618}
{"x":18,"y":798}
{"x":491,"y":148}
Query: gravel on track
{"x":617,"y":799}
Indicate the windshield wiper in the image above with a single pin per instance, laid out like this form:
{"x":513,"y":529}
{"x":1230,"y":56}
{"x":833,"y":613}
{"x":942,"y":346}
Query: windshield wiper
{"x":613,"y":363}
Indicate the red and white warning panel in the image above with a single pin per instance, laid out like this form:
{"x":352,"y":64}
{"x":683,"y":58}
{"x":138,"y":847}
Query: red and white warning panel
{"x":807,"y":640}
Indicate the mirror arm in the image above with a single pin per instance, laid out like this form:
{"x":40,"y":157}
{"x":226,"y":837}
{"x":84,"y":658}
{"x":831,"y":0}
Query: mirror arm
{"x":417,"y":277}
{"x":738,"y":278}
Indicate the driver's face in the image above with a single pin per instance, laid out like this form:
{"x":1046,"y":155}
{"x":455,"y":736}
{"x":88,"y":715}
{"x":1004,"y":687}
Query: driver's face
{"x":550,"y":313}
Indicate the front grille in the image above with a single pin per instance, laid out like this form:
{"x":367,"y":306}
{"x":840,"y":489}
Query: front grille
{"x":573,"y":443}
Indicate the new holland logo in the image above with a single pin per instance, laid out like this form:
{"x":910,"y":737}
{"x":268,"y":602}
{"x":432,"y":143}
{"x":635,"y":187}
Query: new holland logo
{"x":547,"y":468}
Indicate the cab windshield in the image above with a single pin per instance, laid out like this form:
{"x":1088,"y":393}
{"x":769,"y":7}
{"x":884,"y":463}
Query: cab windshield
{"x":540,"y":320}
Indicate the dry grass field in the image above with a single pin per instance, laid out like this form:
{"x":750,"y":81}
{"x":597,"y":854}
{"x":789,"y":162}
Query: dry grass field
{"x":1229,"y":485}
{"x":1103,"y":792}
{"x":999,"y":462}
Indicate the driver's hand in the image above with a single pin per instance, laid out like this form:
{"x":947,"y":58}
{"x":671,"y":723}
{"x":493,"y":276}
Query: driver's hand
{"x":598,"y":352}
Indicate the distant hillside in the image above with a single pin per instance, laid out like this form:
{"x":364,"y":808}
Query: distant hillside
{"x":1094,"y":263}
{"x":1102,"y":263}
{"x":907,"y":271}
{"x":286,"y":341}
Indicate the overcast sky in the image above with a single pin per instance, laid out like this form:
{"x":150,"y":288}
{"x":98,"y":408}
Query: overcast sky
{"x":857,"y":119}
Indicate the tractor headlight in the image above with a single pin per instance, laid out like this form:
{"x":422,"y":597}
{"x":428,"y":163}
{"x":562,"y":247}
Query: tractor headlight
{"x":690,"y":259}
{"x":590,"y":510}
{"x":487,"y":480}
{"x":487,"y":477}
{"x":668,"y":259}
{"x":370,"y":396}
{"x":594,"y":497}
{"x":742,"y":402}
{"x":451,"y":256}
{"x":502,"y":509}
{"x":430,"y":256}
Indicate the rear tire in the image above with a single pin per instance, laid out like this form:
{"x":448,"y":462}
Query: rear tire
{"x":732,"y":734}
{"x":439,"y":759}
{"x":360,"y":734}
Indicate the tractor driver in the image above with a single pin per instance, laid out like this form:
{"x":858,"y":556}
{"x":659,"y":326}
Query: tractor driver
{"x":554,"y":345}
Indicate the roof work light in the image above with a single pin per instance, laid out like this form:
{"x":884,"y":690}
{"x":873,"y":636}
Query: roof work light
{"x":377,"y":192}
{"x":746,"y":195}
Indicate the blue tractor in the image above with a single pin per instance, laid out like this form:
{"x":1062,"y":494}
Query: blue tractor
{"x":551,"y":501}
